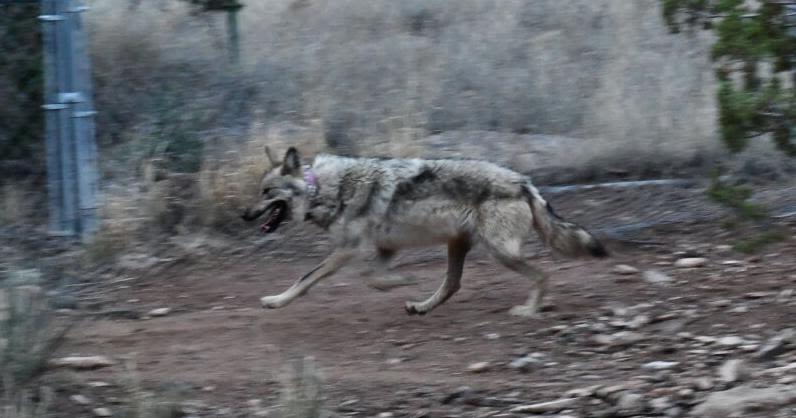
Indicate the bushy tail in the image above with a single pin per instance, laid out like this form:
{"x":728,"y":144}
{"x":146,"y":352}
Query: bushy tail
{"x":564,"y":237}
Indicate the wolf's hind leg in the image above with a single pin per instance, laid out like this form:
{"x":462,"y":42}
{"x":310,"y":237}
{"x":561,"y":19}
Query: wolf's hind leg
{"x":457,"y":251}
{"x":381,"y":279}
{"x":331,"y":264}
{"x":507,"y":252}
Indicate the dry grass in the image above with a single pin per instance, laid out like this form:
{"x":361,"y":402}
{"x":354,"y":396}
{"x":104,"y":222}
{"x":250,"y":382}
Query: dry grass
{"x":385,"y":74}
{"x":145,"y":404}
{"x":16,"y":203}
{"x":20,"y":404}
{"x":28,"y":338}
{"x":382,"y":77}
{"x":301,"y":395}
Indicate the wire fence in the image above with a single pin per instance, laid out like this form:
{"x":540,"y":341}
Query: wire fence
{"x":46,"y":104}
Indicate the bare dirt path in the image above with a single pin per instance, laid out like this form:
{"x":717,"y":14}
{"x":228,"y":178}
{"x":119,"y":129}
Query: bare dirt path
{"x":220,"y":348}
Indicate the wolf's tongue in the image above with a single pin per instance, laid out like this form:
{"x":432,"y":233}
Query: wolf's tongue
{"x":266,"y":227}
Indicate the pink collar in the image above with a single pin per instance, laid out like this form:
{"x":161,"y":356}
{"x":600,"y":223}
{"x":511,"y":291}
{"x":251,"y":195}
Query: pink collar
{"x":311,"y":180}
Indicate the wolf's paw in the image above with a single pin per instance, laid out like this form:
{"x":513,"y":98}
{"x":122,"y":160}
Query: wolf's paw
{"x":412,"y":309}
{"x":271,"y":302}
{"x":525,"y":311}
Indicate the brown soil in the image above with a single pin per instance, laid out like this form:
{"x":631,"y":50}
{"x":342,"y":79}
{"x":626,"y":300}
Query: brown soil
{"x":219,"y":347}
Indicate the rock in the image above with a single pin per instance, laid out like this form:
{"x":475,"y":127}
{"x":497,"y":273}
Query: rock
{"x":479,"y":367}
{"x":82,"y":363}
{"x":630,"y":403}
{"x":79,"y":400}
{"x":102,"y":412}
{"x":733,"y":371}
{"x":703,"y":384}
{"x":776,"y":345}
{"x":159,"y":312}
{"x":583,"y":392}
{"x":730,"y":341}
{"x":625,"y":269}
{"x":545,"y":407}
{"x":98,"y":384}
{"x":661,"y":404}
{"x":525,"y":364}
{"x":660,"y":365}
{"x":385,"y":415}
{"x":656,"y":277}
{"x":619,"y":339}
{"x":744,"y":399}
{"x":463,"y":394}
{"x":691,"y":262}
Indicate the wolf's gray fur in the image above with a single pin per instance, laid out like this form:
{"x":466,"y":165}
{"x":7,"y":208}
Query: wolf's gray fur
{"x":392,"y":204}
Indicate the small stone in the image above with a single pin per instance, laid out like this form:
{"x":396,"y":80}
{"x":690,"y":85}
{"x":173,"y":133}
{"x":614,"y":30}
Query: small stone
{"x":656,"y":277}
{"x":660,"y":365}
{"x":630,"y":403}
{"x":98,"y":384}
{"x":757,"y":295}
{"x":385,"y":415}
{"x":525,"y":364}
{"x":545,"y":407}
{"x":744,"y":399}
{"x":730,"y":341}
{"x":661,"y":404}
{"x":733,"y":371}
{"x":624,"y":269}
{"x":462,"y":394}
{"x":777,"y":345}
{"x":79,"y":400}
{"x":102,"y":412}
{"x":492,"y":336}
{"x":703,"y":383}
{"x":691,"y":262}
{"x":82,"y":363}
{"x":479,"y":367}
{"x":785,"y":295}
{"x":159,"y":312}
{"x":583,"y":392}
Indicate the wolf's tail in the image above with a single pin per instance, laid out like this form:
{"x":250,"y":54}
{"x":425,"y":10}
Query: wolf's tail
{"x":564,"y":237}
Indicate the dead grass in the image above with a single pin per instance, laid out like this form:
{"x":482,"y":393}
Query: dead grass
{"x":301,"y":395}
{"x":28,"y":338}
{"x":16,"y":203}
{"x":378,"y":77}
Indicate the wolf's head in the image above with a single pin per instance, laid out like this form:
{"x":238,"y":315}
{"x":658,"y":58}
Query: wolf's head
{"x":282,"y":192}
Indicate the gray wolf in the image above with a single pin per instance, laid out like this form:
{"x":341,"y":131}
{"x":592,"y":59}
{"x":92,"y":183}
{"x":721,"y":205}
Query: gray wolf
{"x":392,"y":204}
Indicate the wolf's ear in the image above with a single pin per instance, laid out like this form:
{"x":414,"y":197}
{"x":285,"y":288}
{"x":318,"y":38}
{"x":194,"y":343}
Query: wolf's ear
{"x":268,"y":153}
{"x":292,"y":163}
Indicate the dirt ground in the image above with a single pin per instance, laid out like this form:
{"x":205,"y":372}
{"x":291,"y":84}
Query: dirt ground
{"x":600,"y":332}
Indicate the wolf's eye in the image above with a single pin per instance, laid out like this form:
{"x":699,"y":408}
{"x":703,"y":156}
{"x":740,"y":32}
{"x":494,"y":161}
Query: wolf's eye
{"x":266,"y":191}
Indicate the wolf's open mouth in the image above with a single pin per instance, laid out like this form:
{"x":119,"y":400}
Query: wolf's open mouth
{"x":275,"y":213}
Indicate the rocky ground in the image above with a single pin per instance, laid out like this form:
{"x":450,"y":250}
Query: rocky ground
{"x":675,"y":324}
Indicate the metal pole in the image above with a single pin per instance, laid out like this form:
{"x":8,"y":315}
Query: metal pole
{"x":66,"y":95}
{"x":233,"y":34}
{"x":51,"y":108}
{"x":83,"y":123}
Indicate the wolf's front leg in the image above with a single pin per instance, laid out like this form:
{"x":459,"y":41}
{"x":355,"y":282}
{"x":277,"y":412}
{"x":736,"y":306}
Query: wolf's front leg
{"x":331,"y":264}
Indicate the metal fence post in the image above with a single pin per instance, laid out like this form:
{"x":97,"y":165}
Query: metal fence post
{"x":48,"y":17}
{"x":83,"y":122}
{"x":69,"y":134}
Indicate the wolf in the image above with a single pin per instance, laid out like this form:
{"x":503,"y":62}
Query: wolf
{"x":391,"y":204}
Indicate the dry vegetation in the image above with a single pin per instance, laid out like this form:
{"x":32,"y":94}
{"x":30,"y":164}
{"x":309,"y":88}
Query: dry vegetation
{"x":578,"y":87}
